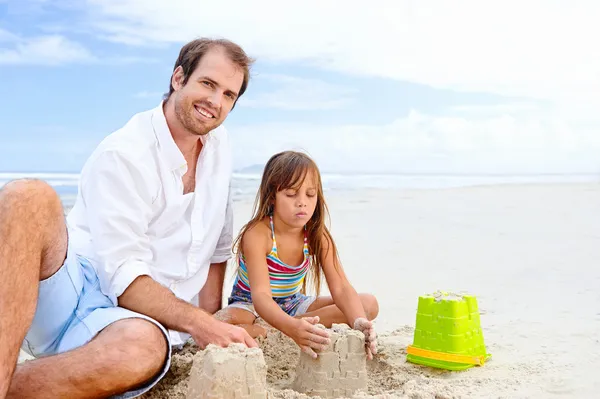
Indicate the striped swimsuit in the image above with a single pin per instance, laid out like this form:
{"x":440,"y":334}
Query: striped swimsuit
{"x":286,"y":281}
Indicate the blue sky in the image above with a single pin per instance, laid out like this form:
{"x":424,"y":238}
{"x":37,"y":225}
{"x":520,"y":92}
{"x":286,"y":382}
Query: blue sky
{"x":401,"y":87}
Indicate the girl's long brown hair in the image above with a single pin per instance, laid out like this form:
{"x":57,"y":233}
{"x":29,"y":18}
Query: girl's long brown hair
{"x":287,"y":170}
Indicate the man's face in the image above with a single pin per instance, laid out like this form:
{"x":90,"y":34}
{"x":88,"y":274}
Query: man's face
{"x":209,"y":94}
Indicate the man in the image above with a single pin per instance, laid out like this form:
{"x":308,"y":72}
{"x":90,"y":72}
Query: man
{"x":142,"y":265}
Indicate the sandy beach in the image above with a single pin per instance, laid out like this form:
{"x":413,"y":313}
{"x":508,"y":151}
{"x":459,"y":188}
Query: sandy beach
{"x":529,"y":253}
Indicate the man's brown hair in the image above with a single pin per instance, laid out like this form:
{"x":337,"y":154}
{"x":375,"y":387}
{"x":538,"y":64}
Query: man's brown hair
{"x":192,"y":52}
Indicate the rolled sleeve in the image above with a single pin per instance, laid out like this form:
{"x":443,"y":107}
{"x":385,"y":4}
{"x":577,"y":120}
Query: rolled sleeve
{"x":223,"y":251}
{"x":118,"y":198}
{"x":125,"y":275}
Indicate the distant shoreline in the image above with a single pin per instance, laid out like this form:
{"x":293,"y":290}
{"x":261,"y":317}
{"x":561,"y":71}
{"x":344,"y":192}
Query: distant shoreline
{"x":245,"y":172}
{"x":247,"y":183}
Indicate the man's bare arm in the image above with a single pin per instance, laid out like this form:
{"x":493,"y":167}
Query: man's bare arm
{"x":148,"y":297}
{"x":211,"y":294}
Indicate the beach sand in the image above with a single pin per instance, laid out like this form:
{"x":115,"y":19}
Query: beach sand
{"x":529,"y":253}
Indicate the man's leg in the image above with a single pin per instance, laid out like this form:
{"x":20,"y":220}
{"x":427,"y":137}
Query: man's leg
{"x":123,"y":356}
{"x":33,"y":246}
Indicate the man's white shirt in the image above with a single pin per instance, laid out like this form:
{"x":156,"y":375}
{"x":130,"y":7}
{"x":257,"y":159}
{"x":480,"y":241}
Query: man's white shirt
{"x":131,"y":217}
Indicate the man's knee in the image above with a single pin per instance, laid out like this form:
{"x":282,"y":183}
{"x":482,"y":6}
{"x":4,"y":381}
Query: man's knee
{"x":138,"y":344}
{"x":29,"y":195}
{"x":31,"y":212}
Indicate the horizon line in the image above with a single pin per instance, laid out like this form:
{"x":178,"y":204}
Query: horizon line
{"x":354,"y":173}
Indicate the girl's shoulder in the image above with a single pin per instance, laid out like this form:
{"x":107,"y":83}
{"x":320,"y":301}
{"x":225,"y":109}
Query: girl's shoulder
{"x":259,"y":227}
{"x":258,"y":234}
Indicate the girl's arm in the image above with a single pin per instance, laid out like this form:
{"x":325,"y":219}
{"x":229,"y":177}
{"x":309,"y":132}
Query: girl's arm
{"x":343,"y":293}
{"x":256,"y":246}
{"x":346,"y":298}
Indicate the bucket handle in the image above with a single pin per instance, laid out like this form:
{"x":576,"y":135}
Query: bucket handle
{"x":448,"y":357}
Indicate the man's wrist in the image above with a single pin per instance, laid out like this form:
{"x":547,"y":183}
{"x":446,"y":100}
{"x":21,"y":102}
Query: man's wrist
{"x":197,"y":320}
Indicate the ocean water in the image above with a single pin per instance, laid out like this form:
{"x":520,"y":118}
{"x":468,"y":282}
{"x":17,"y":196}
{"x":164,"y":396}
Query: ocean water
{"x":246,"y":185}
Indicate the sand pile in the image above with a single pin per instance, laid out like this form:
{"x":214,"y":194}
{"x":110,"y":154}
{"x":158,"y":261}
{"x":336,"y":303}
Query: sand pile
{"x":387,"y":375}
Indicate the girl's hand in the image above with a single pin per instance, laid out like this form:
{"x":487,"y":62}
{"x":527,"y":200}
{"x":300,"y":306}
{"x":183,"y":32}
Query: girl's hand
{"x":366,"y":327}
{"x":308,"y":336}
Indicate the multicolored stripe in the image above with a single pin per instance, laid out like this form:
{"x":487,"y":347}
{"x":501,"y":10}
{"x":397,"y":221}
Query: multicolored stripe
{"x":285,"y":280}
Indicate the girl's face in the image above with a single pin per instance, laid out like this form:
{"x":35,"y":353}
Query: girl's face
{"x":296,"y":206}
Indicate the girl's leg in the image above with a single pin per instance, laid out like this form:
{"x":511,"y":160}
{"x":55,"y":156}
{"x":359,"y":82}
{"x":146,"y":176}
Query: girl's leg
{"x":242,"y":318}
{"x":329,"y":313}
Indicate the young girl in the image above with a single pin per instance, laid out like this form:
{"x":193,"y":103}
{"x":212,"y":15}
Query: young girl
{"x":285,"y":241}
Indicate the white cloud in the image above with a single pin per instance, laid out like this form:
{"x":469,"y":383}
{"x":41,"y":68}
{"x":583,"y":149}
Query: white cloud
{"x":54,"y":49}
{"x":421,"y":143}
{"x":530,"y":48}
{"x":293,"y":93}
{"x":45,"y":50}
{"x":511,"y":108}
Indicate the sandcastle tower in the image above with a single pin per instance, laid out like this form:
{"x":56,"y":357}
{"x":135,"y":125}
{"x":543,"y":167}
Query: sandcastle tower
{"x":340,"y":370}
{"x":235,"y":372}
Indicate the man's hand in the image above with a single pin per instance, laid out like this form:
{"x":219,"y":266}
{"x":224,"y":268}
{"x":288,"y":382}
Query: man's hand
{"x":366,"y":327}
{"x":213,"y":331}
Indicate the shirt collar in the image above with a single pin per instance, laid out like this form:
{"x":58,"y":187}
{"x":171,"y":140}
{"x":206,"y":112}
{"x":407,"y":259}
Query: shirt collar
{"x":166,"y":143}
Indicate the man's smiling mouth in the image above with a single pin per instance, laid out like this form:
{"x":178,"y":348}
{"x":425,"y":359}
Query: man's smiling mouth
{"x":204,"y":112}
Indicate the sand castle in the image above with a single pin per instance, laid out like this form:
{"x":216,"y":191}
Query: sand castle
{"x":238,"y":372}
{"x":340,"y":370}
{"x":235,"y":372}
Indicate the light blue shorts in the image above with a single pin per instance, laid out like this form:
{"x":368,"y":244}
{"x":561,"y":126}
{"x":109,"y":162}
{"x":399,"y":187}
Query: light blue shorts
{"x":72,"y":310}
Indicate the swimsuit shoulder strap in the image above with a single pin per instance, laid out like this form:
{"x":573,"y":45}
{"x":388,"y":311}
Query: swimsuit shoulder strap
{"x":274,"y":248}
